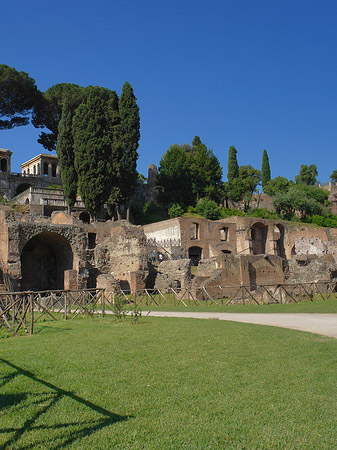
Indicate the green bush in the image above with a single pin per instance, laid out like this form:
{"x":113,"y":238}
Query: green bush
{"x":175,"y":211}
{"x":209,"y":209}
{"x":227,"y":212}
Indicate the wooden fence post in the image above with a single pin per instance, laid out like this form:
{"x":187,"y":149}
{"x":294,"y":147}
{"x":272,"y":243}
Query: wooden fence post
{"x":66,"y":305}
{"x":31,"y":314}
{"x":102,"y":293}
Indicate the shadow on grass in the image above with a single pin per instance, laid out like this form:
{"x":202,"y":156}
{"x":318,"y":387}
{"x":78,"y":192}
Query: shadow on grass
{"x":65,"y":432}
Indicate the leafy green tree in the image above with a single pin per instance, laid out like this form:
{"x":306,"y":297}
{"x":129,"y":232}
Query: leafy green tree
{"x":187,"y":174}
{"x":94,"y":133}
{"x":65,"y":153}
{"x":277,"y":185}
{"x":307,"y":174}
{"x":18,"y":97}
{"x":233,"y":167}
{"x":48,"y":110}
{"x":174,"y":178}
{"x":302,"y":200}
{"x":243,"y":187}
{"x":265,"y":170}
{"x":128,"y":136}
{"x":333,"y":176}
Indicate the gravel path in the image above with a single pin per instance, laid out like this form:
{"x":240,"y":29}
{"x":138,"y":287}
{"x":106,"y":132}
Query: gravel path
{"x":324,"y":324}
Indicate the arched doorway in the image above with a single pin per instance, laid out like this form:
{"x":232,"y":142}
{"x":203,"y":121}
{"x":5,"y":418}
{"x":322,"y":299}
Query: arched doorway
{"x":195,"y":254}
{"x":258,"y":238}
{"x":44,"y":259}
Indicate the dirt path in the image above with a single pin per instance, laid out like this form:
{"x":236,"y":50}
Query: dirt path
{"x":324,"y":324}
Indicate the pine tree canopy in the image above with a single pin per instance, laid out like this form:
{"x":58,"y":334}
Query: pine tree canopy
{"x":18,"y":97}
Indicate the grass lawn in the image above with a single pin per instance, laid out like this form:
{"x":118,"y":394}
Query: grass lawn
{"x":167,"y":384}
{"x":317,"y":306}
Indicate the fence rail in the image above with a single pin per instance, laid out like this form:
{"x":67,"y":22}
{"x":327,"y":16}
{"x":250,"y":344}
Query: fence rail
{"x":21,"y":310}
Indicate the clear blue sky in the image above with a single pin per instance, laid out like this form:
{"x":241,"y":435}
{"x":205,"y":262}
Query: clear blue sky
{"x":250,"y":73}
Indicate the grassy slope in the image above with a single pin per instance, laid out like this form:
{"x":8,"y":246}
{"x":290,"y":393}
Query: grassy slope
{"x":167,"y":384}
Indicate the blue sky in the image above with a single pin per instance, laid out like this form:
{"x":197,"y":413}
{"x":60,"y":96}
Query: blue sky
{"x":256,"y":74}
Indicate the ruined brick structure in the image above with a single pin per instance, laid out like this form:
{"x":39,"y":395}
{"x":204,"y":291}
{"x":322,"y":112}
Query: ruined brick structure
{"x":49,"y":249}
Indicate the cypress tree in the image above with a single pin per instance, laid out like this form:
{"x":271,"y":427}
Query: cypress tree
{"x":128,"y":141}
{"x":65,"y":153}
{"x":266,"y":176}
{"x":93,"y":132}
{"x":233,"y":167}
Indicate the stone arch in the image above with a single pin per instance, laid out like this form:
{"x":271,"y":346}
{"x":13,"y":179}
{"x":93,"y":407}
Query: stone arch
{"x":258,"y":235}
{"x":22,"y":188}
{"x":195,"y":255}
{"x":44,"y":258}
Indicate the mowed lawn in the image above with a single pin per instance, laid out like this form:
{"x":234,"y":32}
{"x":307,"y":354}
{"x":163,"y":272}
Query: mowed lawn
{"x":167,"y":383}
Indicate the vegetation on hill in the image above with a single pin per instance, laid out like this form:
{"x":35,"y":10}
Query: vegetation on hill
{"x":96,"y":135}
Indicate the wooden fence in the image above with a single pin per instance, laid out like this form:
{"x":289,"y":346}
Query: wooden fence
{"x":21,"y":310}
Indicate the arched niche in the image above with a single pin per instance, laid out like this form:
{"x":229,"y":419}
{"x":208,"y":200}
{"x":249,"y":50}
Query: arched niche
{"x":258,"y":235}
{"x":44,"y":258}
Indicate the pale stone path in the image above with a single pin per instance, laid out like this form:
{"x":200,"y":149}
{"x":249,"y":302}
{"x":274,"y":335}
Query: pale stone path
{"x":324,"y":324}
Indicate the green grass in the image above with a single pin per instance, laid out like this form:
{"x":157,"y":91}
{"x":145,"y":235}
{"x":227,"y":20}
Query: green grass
{"x":318,"y":306}
{"x":167,"y":384}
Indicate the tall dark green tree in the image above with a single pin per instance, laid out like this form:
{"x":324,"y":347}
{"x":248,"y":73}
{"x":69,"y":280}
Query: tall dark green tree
{"x":65,"y":153}
{"x":18,"y":97}
{"x":93,"y":132}
{"x":128,"y":135}
{"x":233,"y":167}
{"x":266,"y":176}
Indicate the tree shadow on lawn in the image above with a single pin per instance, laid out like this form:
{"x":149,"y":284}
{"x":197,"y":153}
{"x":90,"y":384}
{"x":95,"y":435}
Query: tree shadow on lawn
{"x":65,"y":433}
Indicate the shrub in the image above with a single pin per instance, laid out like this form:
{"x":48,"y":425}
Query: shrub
{"x":175,"y":211}
{"x":209,"y":209}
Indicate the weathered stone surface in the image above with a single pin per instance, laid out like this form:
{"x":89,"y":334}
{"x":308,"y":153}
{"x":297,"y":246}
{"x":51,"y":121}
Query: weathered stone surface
{"x":108,"y":283}
{"x":311,"y":268}
{"x":173,"y":274}
{"x":310,"y":246}
{"x":124,"y":256}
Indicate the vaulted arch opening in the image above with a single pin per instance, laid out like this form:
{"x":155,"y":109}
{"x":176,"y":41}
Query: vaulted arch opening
{"x":258,"y":238}
{"x":44,"y":259}
{"x":22,"y":188}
